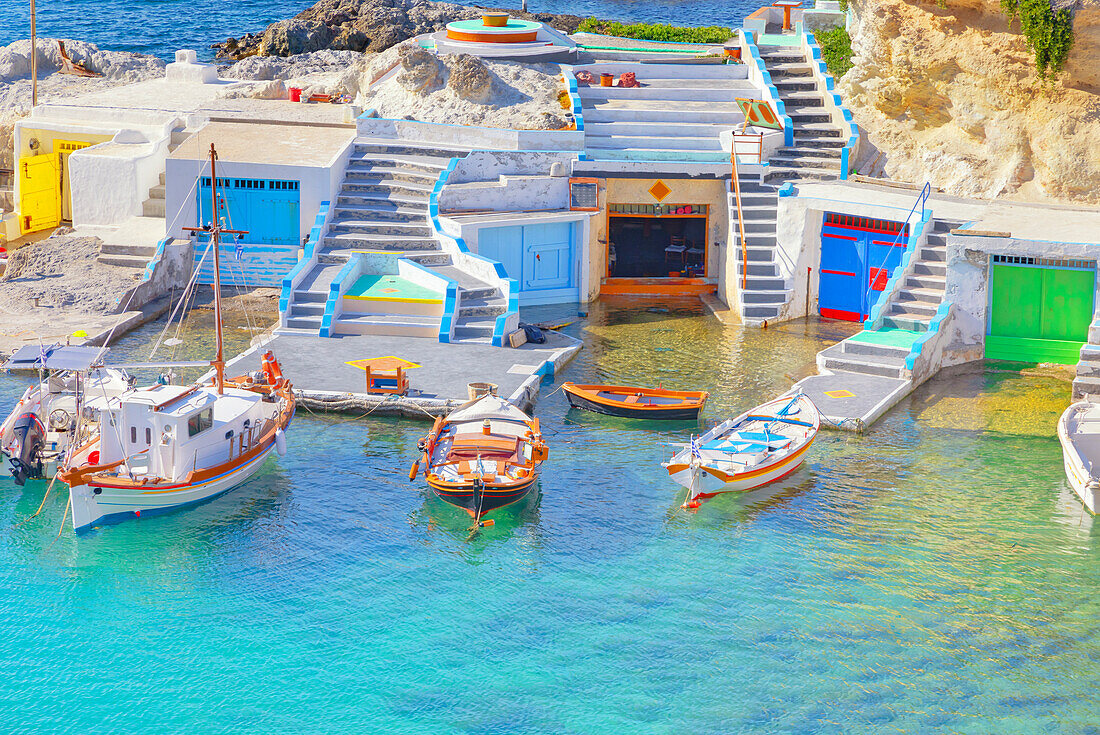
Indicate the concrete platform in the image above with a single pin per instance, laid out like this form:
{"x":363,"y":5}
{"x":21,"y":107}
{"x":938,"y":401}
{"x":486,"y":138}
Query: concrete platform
{"x":853,"y":401}
{"x":324,"y":382}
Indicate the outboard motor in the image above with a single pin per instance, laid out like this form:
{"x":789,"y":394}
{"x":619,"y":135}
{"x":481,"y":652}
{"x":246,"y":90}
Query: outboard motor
{"x":26,"y":449}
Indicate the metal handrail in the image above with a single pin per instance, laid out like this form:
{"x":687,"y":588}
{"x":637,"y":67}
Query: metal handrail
{"x":740,"y":217}
{"x":922,"y":200}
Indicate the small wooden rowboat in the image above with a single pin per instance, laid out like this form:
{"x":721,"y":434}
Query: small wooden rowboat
{"x":637,"y":403}
{"x":759,"y":446}
{"x":483,"y":456}
{"x":1079,"y":434}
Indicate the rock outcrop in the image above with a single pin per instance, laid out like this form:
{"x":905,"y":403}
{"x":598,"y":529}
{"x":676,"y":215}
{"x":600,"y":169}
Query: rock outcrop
{"x":460,"y":89}
{"x":363,"y":25}
{"x":951,"y":96}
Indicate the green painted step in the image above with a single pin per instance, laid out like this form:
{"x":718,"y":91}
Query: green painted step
{"x":888,"y":337}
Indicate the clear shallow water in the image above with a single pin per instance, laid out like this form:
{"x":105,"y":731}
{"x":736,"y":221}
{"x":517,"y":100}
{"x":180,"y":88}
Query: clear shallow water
{"x":159,"y":27}
{"x":934,"y":575}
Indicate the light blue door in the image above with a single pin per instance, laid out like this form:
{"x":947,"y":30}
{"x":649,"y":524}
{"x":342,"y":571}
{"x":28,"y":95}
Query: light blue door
{"x":505,"y":246}
{"x":548,"y":256}
{"x":268,"y":209}
{"x":542,"y":257}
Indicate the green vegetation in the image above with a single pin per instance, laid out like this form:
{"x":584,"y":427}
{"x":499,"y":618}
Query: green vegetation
{"x":836,"y":50}
{"x":843,"y":6}
{"x":1049,"y":33}
{"x":657,"y":31}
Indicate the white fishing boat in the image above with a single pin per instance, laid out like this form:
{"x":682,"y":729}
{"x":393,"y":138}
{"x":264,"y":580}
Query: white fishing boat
{"x":36,"y":436}
{"x":760,"y":446}
{"x":168,"y":446}
{"x":1079,"y":434}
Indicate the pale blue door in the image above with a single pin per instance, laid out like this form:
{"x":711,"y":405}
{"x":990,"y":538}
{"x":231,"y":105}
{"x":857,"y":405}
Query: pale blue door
{"x":548,"y":254}
{"x":542,"y":258}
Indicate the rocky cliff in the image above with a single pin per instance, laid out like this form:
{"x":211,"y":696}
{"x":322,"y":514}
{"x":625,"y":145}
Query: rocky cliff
{"x":950,"y":95}
{"x":363,"y":25}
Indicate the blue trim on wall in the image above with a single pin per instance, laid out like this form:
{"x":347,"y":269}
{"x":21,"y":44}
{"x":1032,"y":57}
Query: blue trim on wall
{"x":151,"y":266}
{"x":315,"y":234}
{"x":846,"y":162}
{"x":513,"y":308}
{"x":334,"y":295}
{"x":780,"y":107}
{"x":900,"y":272}
{"x":933,"y":329}
{"x":449,"y":308}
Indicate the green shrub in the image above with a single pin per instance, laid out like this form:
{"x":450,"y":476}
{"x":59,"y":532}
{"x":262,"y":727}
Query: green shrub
{"x":657,"y":31}
{"x":836,"y":50}
{"x":1049,"y":33}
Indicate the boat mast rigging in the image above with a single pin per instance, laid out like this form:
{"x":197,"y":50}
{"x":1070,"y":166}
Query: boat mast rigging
{"x":215,"y":230}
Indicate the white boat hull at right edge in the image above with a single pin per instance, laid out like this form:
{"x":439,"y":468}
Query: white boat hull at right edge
{"x":1079,"y":435}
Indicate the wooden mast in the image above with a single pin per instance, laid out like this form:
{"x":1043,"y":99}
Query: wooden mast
{"x":215,"y":230}
{"x":34,"y":61}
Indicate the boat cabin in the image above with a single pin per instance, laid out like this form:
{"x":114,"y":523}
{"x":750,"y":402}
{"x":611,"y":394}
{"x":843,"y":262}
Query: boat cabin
{"x":169,"y":430}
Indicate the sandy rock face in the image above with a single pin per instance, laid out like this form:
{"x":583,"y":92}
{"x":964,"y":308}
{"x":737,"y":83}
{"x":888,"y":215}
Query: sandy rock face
{"x":469,"y":78}
{"x":420,"y":70}
{"x":951,"y":96}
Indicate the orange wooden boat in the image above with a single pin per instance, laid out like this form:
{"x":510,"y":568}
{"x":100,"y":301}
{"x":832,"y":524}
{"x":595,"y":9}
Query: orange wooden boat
{"x":637,"y":403}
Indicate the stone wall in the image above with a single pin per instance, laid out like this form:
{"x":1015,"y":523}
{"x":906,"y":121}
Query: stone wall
{"x":951,"y":95}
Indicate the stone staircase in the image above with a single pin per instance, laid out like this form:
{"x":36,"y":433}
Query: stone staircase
{"x":817,"y":141}
{"x":383,"y":206}
{"x":1087,"y":380}
{"x":676,"y":115}
{"x":765,"y":289}
{"x":905,"y":318}
{"x":154,"y":205}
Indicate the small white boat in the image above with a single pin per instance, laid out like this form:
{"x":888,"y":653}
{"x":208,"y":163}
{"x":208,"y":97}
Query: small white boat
{"x":759,"y":446}
{"x":1079,"y":433}
{"x":37,"y":434}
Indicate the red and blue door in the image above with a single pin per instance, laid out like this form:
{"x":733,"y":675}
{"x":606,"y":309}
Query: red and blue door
{"x":858,"y":256}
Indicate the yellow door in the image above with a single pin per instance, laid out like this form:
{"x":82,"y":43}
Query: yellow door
{"x":39,"y":192}
{"x":65,"y":147}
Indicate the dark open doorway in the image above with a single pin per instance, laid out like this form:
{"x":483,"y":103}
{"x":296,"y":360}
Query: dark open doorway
{"x":656,"y":247}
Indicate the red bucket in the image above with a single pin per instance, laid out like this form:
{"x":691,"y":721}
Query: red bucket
{"x":295,"y":94}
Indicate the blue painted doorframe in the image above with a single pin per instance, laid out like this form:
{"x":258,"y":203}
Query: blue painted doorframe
{"x":858,"y":256}
{"x":542,"y":257}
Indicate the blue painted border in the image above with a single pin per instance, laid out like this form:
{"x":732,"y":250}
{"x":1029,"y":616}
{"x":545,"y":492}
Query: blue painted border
{"x":846,"y":162}
{"x":334,"y":294}
{"x":450,"y":308}
{"x":310,"y":248}
{"x":900,"y":272}
{"x":780,"y":107}
{"x":933,"y":329}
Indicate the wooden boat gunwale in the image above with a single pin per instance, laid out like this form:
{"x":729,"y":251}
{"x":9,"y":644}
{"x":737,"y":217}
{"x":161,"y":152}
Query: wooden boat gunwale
{"x":686,"y":402}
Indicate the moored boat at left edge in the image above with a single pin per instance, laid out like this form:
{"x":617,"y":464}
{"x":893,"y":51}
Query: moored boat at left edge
{"x":169,"y":446}
{"x":36,"y":436}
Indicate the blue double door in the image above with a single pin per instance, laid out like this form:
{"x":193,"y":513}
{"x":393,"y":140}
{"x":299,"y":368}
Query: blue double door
{"x":542,"y":257}
{"x":267,"y":208}
{"x":858,"y":256}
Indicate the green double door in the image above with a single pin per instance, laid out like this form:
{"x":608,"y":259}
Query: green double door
{"x":1039,"y":314}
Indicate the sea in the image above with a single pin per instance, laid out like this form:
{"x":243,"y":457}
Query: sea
{"x":159,"y":27}
{"x":933,"y":575}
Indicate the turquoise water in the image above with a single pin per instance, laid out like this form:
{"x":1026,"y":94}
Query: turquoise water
{"x":159,"y":27}
{"x":934,"y":575}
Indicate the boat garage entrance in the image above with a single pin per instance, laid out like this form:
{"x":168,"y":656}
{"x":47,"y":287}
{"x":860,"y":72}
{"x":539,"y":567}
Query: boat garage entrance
{"x":1039,"y":309}
{"x":657,"y":241}
{"x":858,"y":256}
